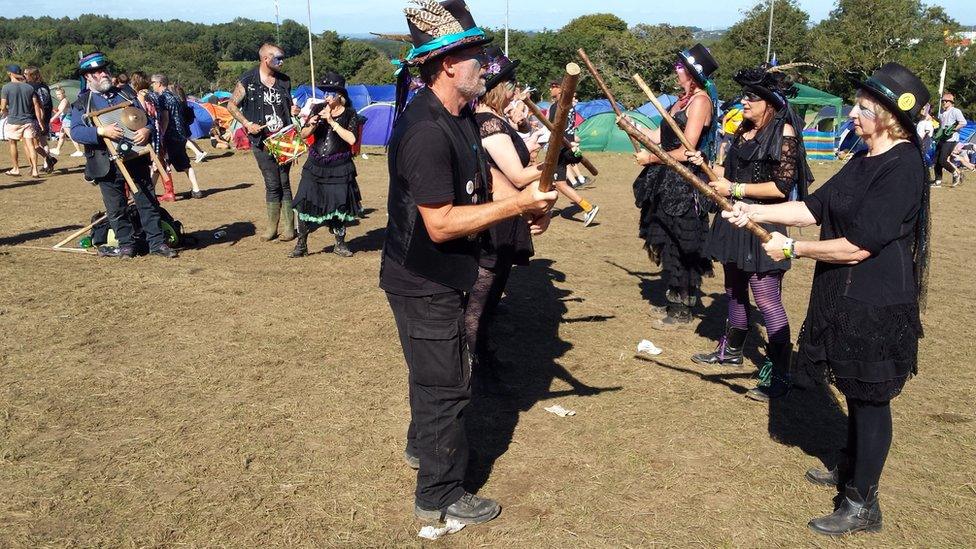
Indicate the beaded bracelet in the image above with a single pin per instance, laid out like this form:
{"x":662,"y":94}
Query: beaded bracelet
{"x":738,"y":190}
{"x":789,"y":248}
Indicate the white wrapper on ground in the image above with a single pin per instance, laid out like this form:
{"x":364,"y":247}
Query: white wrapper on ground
{"x":434,"y":532}
{"x":648,"y":348}
{"x":560,"y":411}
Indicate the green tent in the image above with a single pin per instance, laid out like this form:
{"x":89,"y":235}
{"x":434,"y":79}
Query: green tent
{"x":71,"y":90}
{"x":599,"y":133}
{"x":812,"y":100}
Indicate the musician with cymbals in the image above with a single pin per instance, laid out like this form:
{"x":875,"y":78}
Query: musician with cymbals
{"x":108,"y":162}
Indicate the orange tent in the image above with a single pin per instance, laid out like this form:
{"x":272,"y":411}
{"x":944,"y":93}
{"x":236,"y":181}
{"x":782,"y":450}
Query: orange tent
{"x":219,"y":114}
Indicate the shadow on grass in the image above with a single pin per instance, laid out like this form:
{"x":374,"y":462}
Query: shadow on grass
{"x":809,"y":417}
{"x":233,"y":233}
{"x":529,"y":345}
{"x":18,"y":184}
{"x":21,"y":238}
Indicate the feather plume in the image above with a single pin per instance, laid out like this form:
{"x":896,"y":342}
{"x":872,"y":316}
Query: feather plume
{"x":782,"y":68}
{"x":392,"y":37}
{"x":432,"y":18}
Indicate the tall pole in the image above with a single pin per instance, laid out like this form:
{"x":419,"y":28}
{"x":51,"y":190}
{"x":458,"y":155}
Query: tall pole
{"x":506,"y":27}
{"x":769,"y":35}
{"x":277,"y":23}
{"x":311,"y":57}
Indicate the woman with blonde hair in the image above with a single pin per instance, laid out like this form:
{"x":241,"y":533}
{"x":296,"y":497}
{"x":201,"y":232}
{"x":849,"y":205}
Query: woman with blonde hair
{"x":863,"y":321}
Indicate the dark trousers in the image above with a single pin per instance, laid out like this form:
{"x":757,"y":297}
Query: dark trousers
{"x":431,"y":333}
{"x":277,"y":186}
{"x":113,"y":187}
{"x":942,"y":158}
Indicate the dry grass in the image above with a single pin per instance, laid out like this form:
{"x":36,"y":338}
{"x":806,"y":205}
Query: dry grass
{"x":236,"y":398}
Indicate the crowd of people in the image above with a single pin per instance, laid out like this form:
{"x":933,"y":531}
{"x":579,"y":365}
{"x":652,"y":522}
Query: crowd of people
{"x":465,"y":205}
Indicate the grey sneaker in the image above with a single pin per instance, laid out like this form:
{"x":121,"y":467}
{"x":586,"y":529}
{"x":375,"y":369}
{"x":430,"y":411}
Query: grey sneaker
{"x":469,"y":509}
{"x":590,"y":216}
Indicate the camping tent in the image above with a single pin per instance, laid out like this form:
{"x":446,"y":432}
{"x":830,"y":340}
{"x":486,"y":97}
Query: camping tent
{"x":219,"y":114}
{"x":379,"y":123}
{"x":202,"y":121}
{"x":301,"y":94}
{"x":649,"y":110}
{"x":219,"y":94}
{"x":359,"y":96}
{"x":819,"y":140}
{"x":600,"y":132}
{"x":587,"y":109}
{"x":71,"y":89}
{"x":383,"y":93}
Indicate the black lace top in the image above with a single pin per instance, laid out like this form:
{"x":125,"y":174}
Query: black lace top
{"x":744,"y":166}
{"x":489,"y":124}
{"x":329,"y":148}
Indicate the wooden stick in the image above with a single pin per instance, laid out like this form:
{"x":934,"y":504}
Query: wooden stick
{"x":606,"y":91}
{"x":684,"y":172}
{"x":75,"y":234}
{"x":110,"y":145}
{"x":570,"y":80}
{"x":674,"y":125}
{"x":545,"y":122}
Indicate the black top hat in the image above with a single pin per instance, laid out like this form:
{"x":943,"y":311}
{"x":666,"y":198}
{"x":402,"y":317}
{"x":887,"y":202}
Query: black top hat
{"x":699,"y":62}
{"x":92,"y":61}
{"x":333,"y":82}
{"x":900,"y":91}
{"x":437,"y":28}
{"x":773,"y":86}
{"x":500,"y":68}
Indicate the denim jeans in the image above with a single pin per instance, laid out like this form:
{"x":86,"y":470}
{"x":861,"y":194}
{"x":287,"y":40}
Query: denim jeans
{"x":277,"y":186}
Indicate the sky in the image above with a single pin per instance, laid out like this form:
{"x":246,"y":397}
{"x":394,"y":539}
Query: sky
{"x":362,"y":16}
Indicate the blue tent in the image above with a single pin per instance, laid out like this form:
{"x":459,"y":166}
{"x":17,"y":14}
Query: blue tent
{"x":359,"y":96}
{"x":379,"y":123}
{"x":383,"y":93}
{"x":301,"y":94}
{"x":202,"y":121}
{"x":648,"y":109}
{"x":587,"y":109}
{"x":219,"y":94}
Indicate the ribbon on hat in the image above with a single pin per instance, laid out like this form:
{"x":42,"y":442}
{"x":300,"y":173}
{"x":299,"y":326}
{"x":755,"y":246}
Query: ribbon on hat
{"x":905,"y":102}
{"x":440,"y":42}
{"x":92,"y":62}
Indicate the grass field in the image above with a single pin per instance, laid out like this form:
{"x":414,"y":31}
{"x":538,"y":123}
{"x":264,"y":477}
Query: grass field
{"x":233,"y":397}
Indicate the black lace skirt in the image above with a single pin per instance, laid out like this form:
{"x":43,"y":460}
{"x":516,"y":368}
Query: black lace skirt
{"x":674,"y":224}
{"x":730,"y":244}
{"x":328,"y":195}
{"x":868,"y":351}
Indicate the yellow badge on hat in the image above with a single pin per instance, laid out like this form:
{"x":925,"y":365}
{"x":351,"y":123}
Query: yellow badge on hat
{"x":906,"y":101}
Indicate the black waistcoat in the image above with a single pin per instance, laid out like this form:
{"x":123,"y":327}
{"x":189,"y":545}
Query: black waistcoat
{"x":453,"y":263}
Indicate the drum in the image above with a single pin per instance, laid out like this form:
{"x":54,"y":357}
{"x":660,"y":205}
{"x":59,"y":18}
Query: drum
{"x":286,"y":144}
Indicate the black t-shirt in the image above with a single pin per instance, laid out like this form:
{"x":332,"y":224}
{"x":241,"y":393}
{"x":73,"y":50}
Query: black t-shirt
{"x":424,"y":161}
{"x":43,"y":93}
{"x":874,"y":203}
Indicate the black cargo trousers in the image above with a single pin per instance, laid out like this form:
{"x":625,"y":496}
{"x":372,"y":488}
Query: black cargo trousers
{"x":431,"y":332}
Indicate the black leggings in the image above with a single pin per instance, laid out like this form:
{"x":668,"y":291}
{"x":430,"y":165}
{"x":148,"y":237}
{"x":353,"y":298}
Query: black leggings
{"x":868,"y":441}
{"x":482,"y":301}
{"x":942,"y":159}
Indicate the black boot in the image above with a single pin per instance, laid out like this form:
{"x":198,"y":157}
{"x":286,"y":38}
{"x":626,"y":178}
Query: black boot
{"x":729,"y":350}
{"x":856,"y":514}
{"x":679,"y":316}
{"x":838,"y":475}
{"x":774,"y":376}
{"x":340,"y":248}
{"x":301,"y":247}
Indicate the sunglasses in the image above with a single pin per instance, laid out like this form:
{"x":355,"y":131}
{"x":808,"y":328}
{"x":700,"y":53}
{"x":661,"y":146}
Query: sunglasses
{"x":480,"y":56}
{"x":751,"y":97}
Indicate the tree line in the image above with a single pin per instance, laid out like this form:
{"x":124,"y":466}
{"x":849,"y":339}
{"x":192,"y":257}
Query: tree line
{"x":855,"y":38}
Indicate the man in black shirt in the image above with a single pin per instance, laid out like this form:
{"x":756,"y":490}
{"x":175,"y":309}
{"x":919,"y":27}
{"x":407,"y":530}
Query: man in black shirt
{"x":437,"y":209}
{"x":261,"y":102}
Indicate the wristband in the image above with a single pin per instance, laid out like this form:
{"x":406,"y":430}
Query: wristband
{"x":789,"y":249}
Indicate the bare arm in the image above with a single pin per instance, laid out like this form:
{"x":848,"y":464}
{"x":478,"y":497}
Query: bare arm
{"x":38,"y":112}
{"x":503,"y":153}
{"x":446,"y":221}
{"x":792,"y":214}
{"x":837,"y":250}
{"x":233,"y":106}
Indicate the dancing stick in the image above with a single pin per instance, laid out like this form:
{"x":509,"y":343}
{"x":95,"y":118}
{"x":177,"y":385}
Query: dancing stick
{"x":559,"y":131}
{"x":674,"y":125}
{"x":537,"y":112}
{"x":684,"y":172}
{"x":78,"y":233}
{"x":606,"y":91}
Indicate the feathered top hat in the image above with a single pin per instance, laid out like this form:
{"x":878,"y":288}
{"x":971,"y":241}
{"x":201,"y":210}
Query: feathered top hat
{"x":770,"y":83}
{"x":500,"y":68}
{"x":440,"y":27}
{"x":698,"y":61}
{"x":900,"y":91}
{"x":93,"y":61}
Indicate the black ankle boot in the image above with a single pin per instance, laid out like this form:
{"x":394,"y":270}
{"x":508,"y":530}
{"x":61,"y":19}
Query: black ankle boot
{"x":774,"y":375}
{"x":301,"y":247}
{"x":856,"y":513}
{"x":838,"y":475}
{"x":340,"y":248}
{"x":679,"y":316}
{"x":729,"y":350}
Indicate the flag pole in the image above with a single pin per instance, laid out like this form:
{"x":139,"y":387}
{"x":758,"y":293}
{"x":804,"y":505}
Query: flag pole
{"x":506,"y":27}
{"x":769,"y":35}
{"x":311,"y":57}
